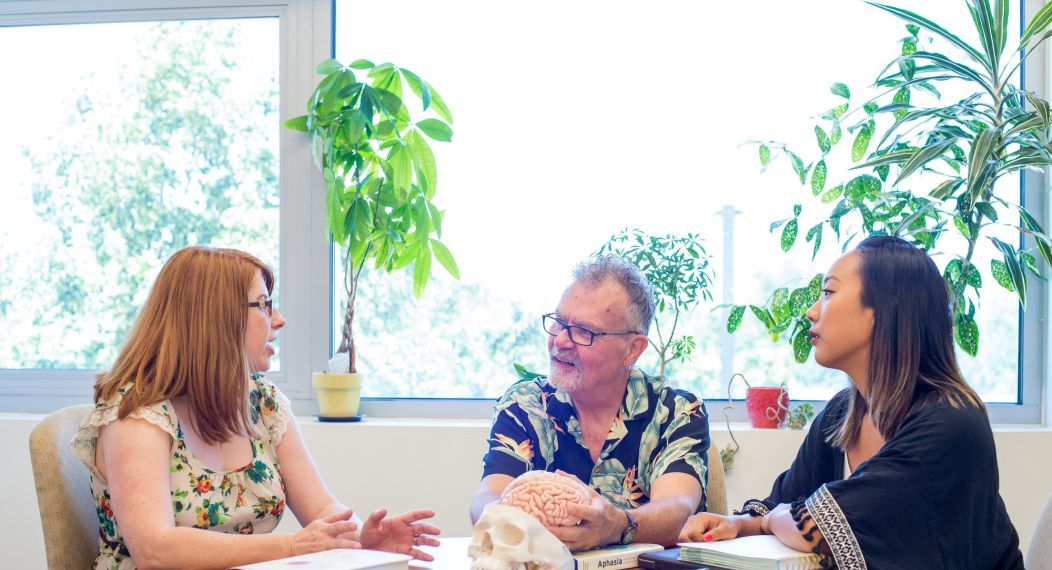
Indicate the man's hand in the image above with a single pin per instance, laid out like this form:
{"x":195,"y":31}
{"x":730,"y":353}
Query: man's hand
{"x":601,"y":523}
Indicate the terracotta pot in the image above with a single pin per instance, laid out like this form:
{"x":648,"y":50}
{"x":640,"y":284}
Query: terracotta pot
{"x":338,"y":394}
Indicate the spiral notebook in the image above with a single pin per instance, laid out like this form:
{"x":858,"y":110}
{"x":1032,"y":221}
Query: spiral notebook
{"x":761,"y":552}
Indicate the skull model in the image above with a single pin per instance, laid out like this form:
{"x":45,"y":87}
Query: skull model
{"x":545,"y":496}
{"x":506,"y":538}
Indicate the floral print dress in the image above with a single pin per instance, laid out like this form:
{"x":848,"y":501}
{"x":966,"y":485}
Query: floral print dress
{"x":246,"y":501}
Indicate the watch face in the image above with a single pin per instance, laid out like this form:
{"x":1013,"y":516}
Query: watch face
{"x":630,"y":531}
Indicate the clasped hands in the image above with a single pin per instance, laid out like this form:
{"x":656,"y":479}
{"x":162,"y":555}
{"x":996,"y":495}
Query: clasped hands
{"x":402,"y":533}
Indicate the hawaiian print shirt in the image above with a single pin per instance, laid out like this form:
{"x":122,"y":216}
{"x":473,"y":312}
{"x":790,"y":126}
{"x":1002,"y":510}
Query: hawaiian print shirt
{"x":658,"y":430}
{"x":246,"y":501}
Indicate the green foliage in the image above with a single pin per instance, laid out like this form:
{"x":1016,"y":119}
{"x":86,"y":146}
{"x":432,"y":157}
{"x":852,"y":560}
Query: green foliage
{"x":379,"y":171}
{"x":799,"y":416}
{"x":176,"y":152}
{"x":785,"y":311}
{"x":678,"y":269}
{"x":963,"y":146}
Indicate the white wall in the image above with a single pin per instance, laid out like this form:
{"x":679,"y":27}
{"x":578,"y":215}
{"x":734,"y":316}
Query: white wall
{"x":406,"y":464}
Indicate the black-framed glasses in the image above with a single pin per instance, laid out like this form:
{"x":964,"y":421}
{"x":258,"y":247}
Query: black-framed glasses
{"x":579,"y":335}
{"x":266,"y":306}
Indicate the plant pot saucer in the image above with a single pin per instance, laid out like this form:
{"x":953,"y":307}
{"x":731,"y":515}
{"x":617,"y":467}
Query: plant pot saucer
{"x":340,"y":419}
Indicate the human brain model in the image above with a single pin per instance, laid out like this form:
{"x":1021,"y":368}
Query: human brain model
{"x":545,"y":496}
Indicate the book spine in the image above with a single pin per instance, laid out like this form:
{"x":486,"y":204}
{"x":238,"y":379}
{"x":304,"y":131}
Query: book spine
{"x":608,"y":562}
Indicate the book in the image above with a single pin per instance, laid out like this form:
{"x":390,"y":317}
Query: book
{"x":338,"y":559}
{"x":619,"y":556}
{"x":760,"y":552}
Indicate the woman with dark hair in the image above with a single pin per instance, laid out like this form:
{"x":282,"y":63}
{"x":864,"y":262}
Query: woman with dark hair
{"x":899,"y":470}
{"x":193,"y":454}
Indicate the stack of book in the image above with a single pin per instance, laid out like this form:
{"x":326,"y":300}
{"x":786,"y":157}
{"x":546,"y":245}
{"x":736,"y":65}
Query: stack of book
{"x":761,"y":552}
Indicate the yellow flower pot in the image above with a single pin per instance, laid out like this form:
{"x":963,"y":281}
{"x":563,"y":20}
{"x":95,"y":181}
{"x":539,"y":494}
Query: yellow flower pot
{"x":338,"y":394}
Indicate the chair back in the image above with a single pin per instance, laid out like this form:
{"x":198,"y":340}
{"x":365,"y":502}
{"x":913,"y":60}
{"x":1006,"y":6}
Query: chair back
{"x":1039,"y":554}
{"x":67,"y":509}
{"x":716,"y":488}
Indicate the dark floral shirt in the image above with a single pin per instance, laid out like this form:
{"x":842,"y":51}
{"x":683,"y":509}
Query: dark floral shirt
{"x":246,"y":501}
{"x":658,"y":430}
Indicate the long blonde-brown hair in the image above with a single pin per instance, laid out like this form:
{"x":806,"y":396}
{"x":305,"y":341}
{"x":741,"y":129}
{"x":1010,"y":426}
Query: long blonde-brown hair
{"x":189,"y":339}
{"x":911,"y":356}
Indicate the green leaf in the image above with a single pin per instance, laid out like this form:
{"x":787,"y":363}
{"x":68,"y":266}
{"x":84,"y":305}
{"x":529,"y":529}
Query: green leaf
{"x":802,"y":345}
{"x":966,"y":333}
{"x":835,"y":134}
{"x":861,"y":144}
{"x":765,"y":155}
{"x":798,"y":302}
{"x":763,"y":315}
{"x":798,"y":166}
{"x":421,"y":270}
{"x":1014,"y":269}
{"x":945,"y":189}
{"x":1001,"y":274}
{"x":418,"y":87}
{"x":1040,"y":107}
{"x":735,"y":319}
{"x":870,"y":108}
{"x":840,"y":90}
{"x":1039,"y":236}
{"x":1037,"y":24}
{"x":361,"y":64}
{"x":797,"y":209}
{"x":445,"y":257}
{"x":832,"y":194}
{"x":923,"y":157}
{"x":1031,"y":263}
{"x":937,"y":29}
{"x":902,"y":96}
{"x":425,"y":160}
{"x":815,"y":233}
{"x":436,"y":129}
{"x":839,"y":110}
{"x":978,"y":171}
{"x":861,"y":187}
{"x":952,"y":66}
{"x":986,"y":209}
{"x":328,"y":66}
{"x":814,"y":289}
{"x":296,"y":124}
{"x":789,"y":234}
{"x":818,"y":178}
{"x":439,"y":105}
{"x":823,"y":140}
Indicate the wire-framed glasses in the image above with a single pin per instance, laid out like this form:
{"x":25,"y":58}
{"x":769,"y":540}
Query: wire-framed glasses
{"x":266,"y":305}
{"x":579,"y":335}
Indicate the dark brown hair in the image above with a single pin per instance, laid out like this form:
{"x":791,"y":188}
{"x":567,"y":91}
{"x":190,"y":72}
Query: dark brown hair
{"x":189,"y":339}
{"x":911,"y":348}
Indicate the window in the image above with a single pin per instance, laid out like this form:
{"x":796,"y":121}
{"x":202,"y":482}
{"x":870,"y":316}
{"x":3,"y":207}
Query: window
{"x":576,"y":120}
{"x":158,"y":129}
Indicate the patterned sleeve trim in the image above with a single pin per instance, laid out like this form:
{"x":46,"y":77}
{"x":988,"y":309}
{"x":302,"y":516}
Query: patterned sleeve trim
{"x":754,"y":508}
{"x":836,"y":530}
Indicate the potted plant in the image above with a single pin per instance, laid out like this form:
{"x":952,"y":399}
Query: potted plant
{"x":678,"y":269}
{"x":924,"y":170}
{"x":380,"y":178}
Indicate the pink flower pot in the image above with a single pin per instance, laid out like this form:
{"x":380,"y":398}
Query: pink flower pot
{"x":768,"y":406}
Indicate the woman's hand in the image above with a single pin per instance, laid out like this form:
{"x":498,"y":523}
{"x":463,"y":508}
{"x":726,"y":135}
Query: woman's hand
{"x":325,"y":534}
{"x":400,"y":533}
{"x":707,"y":527}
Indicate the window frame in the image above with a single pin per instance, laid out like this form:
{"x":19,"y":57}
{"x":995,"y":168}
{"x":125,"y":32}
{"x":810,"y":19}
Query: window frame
{"x":306,"y":30}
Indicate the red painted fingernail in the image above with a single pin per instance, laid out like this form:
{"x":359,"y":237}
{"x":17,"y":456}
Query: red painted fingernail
{"x":708,"y":537}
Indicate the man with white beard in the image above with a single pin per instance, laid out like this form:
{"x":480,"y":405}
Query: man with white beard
{"x":639,"y":444}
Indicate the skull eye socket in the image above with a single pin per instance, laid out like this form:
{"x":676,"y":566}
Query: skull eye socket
{"x":508,"y":535}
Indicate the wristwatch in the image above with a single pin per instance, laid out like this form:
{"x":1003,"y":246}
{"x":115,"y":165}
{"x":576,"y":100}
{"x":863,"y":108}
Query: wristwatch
{"x":630,"y":530}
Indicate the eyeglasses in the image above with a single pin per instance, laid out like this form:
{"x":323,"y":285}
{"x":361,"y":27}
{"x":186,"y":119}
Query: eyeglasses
{"x":578,"y":335}
{"x":266,"y":306}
